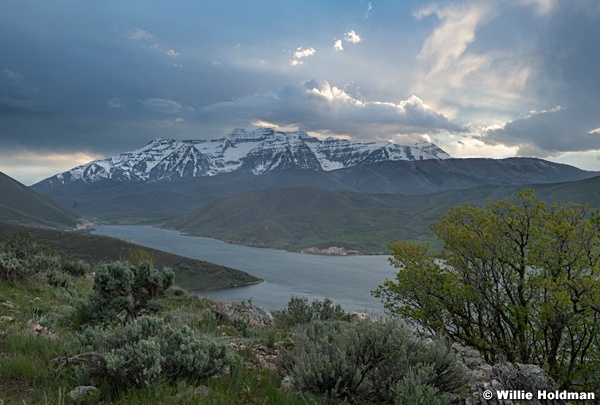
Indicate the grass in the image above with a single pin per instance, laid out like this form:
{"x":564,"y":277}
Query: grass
{"x":43,"y":364}
{"x":29,"y":366}
{"x":28,"y":374}
{"x":39,"y":323}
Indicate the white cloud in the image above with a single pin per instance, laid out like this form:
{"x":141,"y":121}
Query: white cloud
{"x":352,"y":37}
{"x":115,"y":103}
{"x":462,"y":74}
{"x":595,"y":131}
{"x":369,"y":10}
{"x":171,"y":122}
{"x":301,"y":53}
{"x":326,"y":109}
{"x":337,"y":45}
{"x":450,"y":40}
{"x":164,"y":106}
{"x":541,"y":7}
{"x":137,"y":34}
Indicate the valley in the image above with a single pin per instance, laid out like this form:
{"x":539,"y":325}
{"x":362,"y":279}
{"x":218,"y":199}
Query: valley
{"x":347,"y":280}
{"x":294,"y":192}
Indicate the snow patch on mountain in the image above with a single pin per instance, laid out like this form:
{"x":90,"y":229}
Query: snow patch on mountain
{"x":258,"y":151}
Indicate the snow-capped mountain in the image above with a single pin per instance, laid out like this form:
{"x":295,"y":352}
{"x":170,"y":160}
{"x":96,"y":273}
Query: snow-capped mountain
{"x":258,"y":151}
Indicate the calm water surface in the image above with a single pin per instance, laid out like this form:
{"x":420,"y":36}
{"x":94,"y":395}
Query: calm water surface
{"x":347,"y":280}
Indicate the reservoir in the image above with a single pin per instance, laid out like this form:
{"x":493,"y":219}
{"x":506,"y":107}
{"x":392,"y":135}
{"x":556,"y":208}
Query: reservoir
{"x":346,"y":280}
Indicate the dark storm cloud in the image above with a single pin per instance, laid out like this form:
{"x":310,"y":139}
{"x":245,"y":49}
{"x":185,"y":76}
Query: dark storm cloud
{"x":549,"y":133}
{"x":164,"y":106}
{"x":321,"y":107}
{"x":567,"y":74}
{"x":16,"y":95}
{"x":104,"y":77}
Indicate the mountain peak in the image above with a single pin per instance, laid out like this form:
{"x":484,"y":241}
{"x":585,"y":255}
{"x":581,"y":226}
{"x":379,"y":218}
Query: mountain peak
{"x":254,"y":151}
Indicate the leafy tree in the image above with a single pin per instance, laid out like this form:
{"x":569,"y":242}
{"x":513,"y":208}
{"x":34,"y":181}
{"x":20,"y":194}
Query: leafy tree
{"x":516,"y":280}
{"x":123,"y":291}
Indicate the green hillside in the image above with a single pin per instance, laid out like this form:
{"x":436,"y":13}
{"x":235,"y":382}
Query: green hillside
{"x":190,"y":274}
{"x":167,"y":199}
{"x":298,"y":218}
{"x":20,"y":204}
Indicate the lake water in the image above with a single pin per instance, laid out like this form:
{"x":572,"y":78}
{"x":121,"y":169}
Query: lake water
{"x":346,"y":280}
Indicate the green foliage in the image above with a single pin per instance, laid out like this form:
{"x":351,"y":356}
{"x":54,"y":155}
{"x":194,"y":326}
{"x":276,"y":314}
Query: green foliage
{"x":43,"y":262}
{"x":59,"y":279}
{"x":139,"y":255}
{"x":146,"y":350}
{"x":177,"y":292}
{"x":516,"y":280}
{"x":299,"y":311}
{"x":23,"y":258}
{"x":77,"y":268}
{"x":122,"y":291}
{"x":11,"y":268}
{"x":244,"y":385}
{"x":415,"y":388}
{"x":15,"y":268}
{"x":368,"y":361}
{"x":24,"y":357}
{"x":20,"y":244}
{"x":145,"y":361}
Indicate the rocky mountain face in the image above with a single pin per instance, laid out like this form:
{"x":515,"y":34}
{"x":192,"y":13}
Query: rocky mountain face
{"x":258,"y":152}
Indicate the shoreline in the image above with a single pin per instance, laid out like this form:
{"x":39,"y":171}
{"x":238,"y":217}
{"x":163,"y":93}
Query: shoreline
{"x":231,"y":286}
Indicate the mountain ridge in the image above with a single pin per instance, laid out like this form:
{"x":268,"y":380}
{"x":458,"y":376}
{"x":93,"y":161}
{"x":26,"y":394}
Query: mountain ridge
{"x":157,"y":201}
{"x":22,"y":204}
{"x":258,"y":152}
{"x":301,"y":218}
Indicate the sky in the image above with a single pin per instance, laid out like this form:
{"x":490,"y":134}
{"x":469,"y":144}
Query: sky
{"x":83,"y":80}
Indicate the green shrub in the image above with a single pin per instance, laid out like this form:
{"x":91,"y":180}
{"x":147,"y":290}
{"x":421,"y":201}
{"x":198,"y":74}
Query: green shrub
{"x":416,"y":388}
{"x":21,"y":244}
{"x":14,"y":268}
{"x":59,"y":279}
{"x":299,"y":311}
{"x":147,"y":350}
{"x":77,"y":268}
{"x":177,"y":292}
{"x":40,"y":262}
{"x":123,"y":292}
{"x":368,"y":361}
{"x":11,"y":268}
